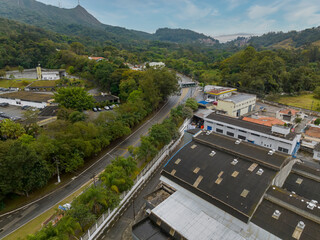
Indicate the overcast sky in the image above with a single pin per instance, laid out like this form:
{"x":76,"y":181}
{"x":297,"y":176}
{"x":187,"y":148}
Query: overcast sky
{"x":211,"y":17}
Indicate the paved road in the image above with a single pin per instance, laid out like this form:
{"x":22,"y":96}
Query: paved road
{"x":11,"y":222}
{"x":122,"y":228}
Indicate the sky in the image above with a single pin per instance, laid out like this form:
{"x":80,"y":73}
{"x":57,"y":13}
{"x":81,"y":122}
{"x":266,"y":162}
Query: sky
{"x":211,"y":17}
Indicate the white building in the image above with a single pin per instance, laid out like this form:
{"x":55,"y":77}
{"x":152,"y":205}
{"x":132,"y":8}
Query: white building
{"x":155,"y":64}
{"x":37,"y":73}
{"x":276,"y":137}
{"x":237,"y":104}
{"x":226,"y":99}
{"x":22,"y":98}
{"x":53,"y":75}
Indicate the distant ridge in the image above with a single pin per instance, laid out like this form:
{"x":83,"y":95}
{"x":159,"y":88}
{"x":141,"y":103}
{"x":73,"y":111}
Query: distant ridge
{"x":77,"y":21}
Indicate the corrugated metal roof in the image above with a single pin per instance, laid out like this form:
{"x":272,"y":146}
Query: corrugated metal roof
{"x":187,"y":217}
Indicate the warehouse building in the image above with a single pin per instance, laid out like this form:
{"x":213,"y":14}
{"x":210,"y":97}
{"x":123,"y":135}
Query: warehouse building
{"x":277,"y":137}
{"x":228,"y":189}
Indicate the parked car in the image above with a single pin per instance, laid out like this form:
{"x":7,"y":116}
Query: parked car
{"x":4,"y":104}
{"x":99,"y":109}
{"x":95,"y":109}
{"x":106,"y":108}
{"x":25,"y":107}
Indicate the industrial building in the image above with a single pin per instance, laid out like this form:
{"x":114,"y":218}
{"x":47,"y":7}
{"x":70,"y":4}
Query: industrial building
{"x":22,"y":98}
{"x":226,"y":189}
{"x":277,"y":137}
{"x":230,"y":101}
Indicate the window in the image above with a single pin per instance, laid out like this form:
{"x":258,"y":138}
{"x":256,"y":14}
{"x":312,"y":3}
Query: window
{"x":281,"y":149}
{"x":230,"y":134}
{"x":255,"y":134}
{"x":242,"y":131}
{"x":219,"y":124}
{"x":230,"y":127}
{"x":219,"y":130}
{"x":241,"y":137}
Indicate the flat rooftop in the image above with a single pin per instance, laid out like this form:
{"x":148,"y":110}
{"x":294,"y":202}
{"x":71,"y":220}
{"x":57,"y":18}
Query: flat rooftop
{"x":293,"y":209}
{"x":192,"y":220}
{"x":247,"y":125}
{"x":239,"y":97}
{"x":148,"y":230}
{"x":235,"y":188}
{"x":313,"y":132}
{"x":217,"y":90}
{"x":244,"y":149}
{"x":266,"y":121}
{"x":28,"y":96}
{"x":304,"y":181}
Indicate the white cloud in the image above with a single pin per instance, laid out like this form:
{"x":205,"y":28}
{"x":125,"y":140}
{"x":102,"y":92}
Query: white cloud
{"x":190,"y":11}
{"x":257,"y":11}
{"x":232,"y":4}
{"x":305,"y":12}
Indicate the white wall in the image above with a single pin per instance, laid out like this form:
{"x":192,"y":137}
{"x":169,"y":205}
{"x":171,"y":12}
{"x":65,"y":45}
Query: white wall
{"x":264,"y":140}
{"x":18,"y":102}
{"x":316,"y":155}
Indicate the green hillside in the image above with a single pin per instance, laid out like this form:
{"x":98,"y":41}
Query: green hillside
{"x":77,"y":21}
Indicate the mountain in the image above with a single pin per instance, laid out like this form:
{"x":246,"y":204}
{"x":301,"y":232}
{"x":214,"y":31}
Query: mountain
{"x":183,"y":36}
{"x":77,"y":21}
{"x":288,"y":40}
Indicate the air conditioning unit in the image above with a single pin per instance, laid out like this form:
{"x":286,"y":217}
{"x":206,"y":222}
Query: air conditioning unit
{"x":212,"y":153}
{"x":276,"y":214}
{"x":272,"y":151}
{"x":234,"y":162}
{"x":301,"y":225}
{"x":260,"y":171}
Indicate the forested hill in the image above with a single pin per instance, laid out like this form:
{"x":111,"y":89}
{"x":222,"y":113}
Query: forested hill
{"x":289,"y":40}
{"x":183,"y":36}
{"x":79,"y":22}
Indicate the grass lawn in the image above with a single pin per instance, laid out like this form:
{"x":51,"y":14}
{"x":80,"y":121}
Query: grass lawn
{"x":35,"y":225}
{"x":15,"y":82}
{"x":302,"y":101}
{"x":44,"y":83}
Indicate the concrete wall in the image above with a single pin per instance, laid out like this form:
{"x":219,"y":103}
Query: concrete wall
{"x":316,"y":155}
{"x":29,"y":74}
{"x":18,"y":102}
{"x":262,"y":139}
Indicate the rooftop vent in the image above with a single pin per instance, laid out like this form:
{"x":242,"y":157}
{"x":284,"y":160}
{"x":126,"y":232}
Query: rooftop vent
{"x":212,"y":153}
{"x":276,"y":214}
{"x":271,"y":151}
{"x":209,"y":132}
{"x":301,"y":225}
{"x":234,"y":162}
{"x":238,"y":141}
{"x":260,"y":171}
{"x":193,"y":146}
{"x":311,"y":204}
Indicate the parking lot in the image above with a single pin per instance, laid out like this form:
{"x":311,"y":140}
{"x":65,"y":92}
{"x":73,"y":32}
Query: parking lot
{"x":13,"y":112}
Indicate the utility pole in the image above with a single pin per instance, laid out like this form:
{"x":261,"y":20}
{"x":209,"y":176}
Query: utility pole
{"x":94,"y":179}
{"x":311,"y":105}
{"x":134,"y":212}
{"x":57,"y":162}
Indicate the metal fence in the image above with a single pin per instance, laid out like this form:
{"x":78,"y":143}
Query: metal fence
{"x":110,"y":216}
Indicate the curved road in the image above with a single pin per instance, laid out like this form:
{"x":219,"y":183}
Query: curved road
{"x":14,"y":220}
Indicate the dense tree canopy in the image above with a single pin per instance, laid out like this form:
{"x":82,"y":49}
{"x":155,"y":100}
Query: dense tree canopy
{"x":74,"y":97}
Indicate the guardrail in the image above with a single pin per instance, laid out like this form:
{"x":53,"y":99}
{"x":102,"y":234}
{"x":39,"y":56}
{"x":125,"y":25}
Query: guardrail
{"x":109,"y":216}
